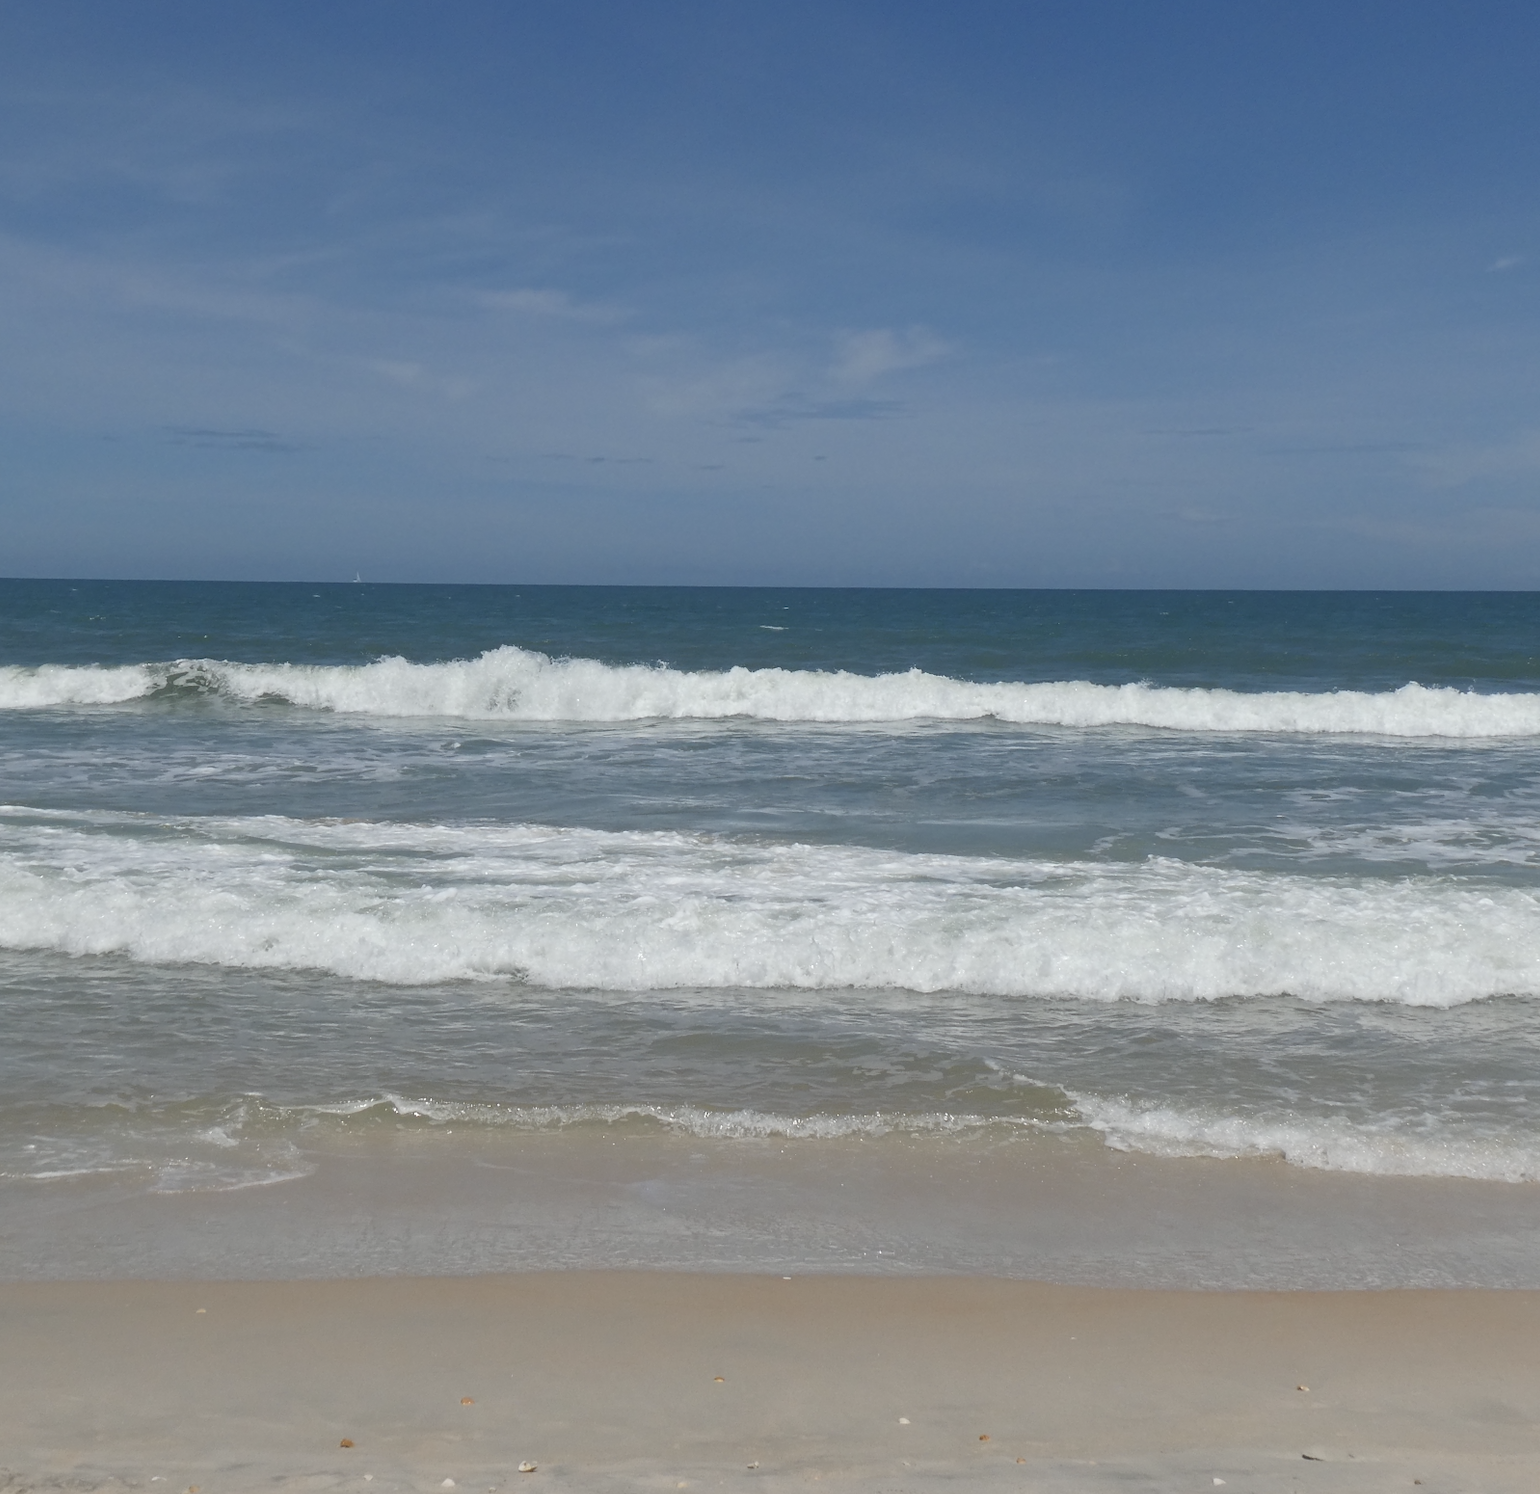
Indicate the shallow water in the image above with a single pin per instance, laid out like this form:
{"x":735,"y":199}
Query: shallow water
{"x":1246,"y":878}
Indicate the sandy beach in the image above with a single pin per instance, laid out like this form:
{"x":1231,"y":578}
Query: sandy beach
{"x":752,"y":748}
{"x":622,"y":1380}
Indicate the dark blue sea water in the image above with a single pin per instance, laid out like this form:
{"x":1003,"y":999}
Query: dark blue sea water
{"x":1244,"y":640}
{"x":291,"y":874}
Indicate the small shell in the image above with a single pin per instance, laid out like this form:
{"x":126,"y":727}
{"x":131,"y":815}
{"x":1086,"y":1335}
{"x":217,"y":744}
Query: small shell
{"x":528,"y":1467}
{"x":346,"y":1442}
{"x":467,"y":1400}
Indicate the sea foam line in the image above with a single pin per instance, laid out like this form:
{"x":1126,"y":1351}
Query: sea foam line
{"x":699,"y":1121}
{"x":1318,"y":1143}
{"x":639,"y":911}
{"x":514,"y":684}
{"x":261,"y":1136}
{"x":1328,"y":1145}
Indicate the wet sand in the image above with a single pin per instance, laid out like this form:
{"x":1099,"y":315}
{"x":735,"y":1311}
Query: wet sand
{"x":450,"y":1201}
{"x":638,"y":1380}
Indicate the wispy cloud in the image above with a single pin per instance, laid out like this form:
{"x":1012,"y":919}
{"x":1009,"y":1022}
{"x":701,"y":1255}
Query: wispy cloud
{"x":776,"y":388}
{"x":1516,"y":457}
{"x":1344,"y":448}
{"x":1506,"y":262}
{"x":252,"y":439}
{"x":1202,"y":430}
{"x":188,"y":145}
{"x":861,"y":357}
{"x":553,"y":303}
{"x":793,"y":408}
{"x":409,"y":375}
{"x":101,"y":283}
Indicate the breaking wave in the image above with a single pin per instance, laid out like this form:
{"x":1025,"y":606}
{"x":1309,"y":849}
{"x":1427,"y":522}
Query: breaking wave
{"x":1329,"y":1145}
{"x":214,"y":1146}
{"x":699,"y":1121}
{"x":1383,"y":1149}
{"x":634,"y":911}
{"x":514,"y":684}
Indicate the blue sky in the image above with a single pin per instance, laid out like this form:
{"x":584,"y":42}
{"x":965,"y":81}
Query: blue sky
{"x":1005,"y":294}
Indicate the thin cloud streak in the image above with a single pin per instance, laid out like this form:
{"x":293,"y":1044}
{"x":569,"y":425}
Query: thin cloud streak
{"x":1018,"y":320}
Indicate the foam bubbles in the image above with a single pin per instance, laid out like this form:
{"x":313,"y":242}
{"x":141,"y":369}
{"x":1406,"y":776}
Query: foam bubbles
{"x":1387,"y":1147}
{"x":419,"y":904}
{"x":701,"y":1122}
{"x":1324,"y":1143}
{"x":514,"y":684}
{"x":53,"y":685}
{"x":262,"y":1144}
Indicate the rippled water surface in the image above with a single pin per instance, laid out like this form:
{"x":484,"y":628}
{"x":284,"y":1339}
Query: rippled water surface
{"x":1228,"y":876}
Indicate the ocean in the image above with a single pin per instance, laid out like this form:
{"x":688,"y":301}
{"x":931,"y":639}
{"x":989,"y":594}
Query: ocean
{"x":1150,"y":937}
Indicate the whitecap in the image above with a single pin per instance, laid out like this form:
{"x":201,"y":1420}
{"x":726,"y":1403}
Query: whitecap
{"x":1386,"y":1148}
{"x":515,"y":684}
{"x":637,"y":911}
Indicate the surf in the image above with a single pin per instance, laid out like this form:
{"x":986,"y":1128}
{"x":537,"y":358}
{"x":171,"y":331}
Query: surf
{"x":514,"y":684}
{"x":634,"y":911}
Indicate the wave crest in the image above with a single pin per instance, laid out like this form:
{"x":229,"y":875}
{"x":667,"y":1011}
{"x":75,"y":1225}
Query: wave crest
{"x":515,"y":684}
{"x":212,"y":1145}
{"x":1383,"y":1150}
{"x":54,"y":685}
{"x":636,"y":911}
{"x":700,"y":1121}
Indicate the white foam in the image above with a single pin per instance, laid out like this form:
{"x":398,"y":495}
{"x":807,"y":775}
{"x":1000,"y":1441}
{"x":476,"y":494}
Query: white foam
{"x":168,"y":1148}
{"x":208,"y":1177}
{"x":684,"y":1120}
{"x":1386,"y":1148}
{"x":1331,"y":1145}
{"x":633,"y":911}
{"x":514,"y":684}
{"x":55,"y":685}
{"x":1509,"y":836}
{"x":262,"y":1137}
{"x":255,"y":1143}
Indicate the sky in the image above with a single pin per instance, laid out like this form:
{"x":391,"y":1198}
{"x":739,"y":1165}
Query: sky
{"x":853,"y":292}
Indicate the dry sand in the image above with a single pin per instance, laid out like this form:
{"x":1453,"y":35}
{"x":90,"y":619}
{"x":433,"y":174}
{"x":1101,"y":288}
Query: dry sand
{"x":610,"y":1381}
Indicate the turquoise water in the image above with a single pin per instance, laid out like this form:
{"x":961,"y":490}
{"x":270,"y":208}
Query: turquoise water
{"x":1227,"y":876}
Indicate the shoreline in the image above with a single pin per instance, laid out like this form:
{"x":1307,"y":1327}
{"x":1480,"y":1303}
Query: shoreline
{"x":455,"y":1201}
{"x":608,"y":1380}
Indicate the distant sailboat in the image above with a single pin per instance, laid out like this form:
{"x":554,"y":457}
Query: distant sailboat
{"x":357,"y":578}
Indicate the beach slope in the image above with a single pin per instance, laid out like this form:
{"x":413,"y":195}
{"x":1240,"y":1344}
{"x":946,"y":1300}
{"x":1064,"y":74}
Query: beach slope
{"x":630,"y":1380}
